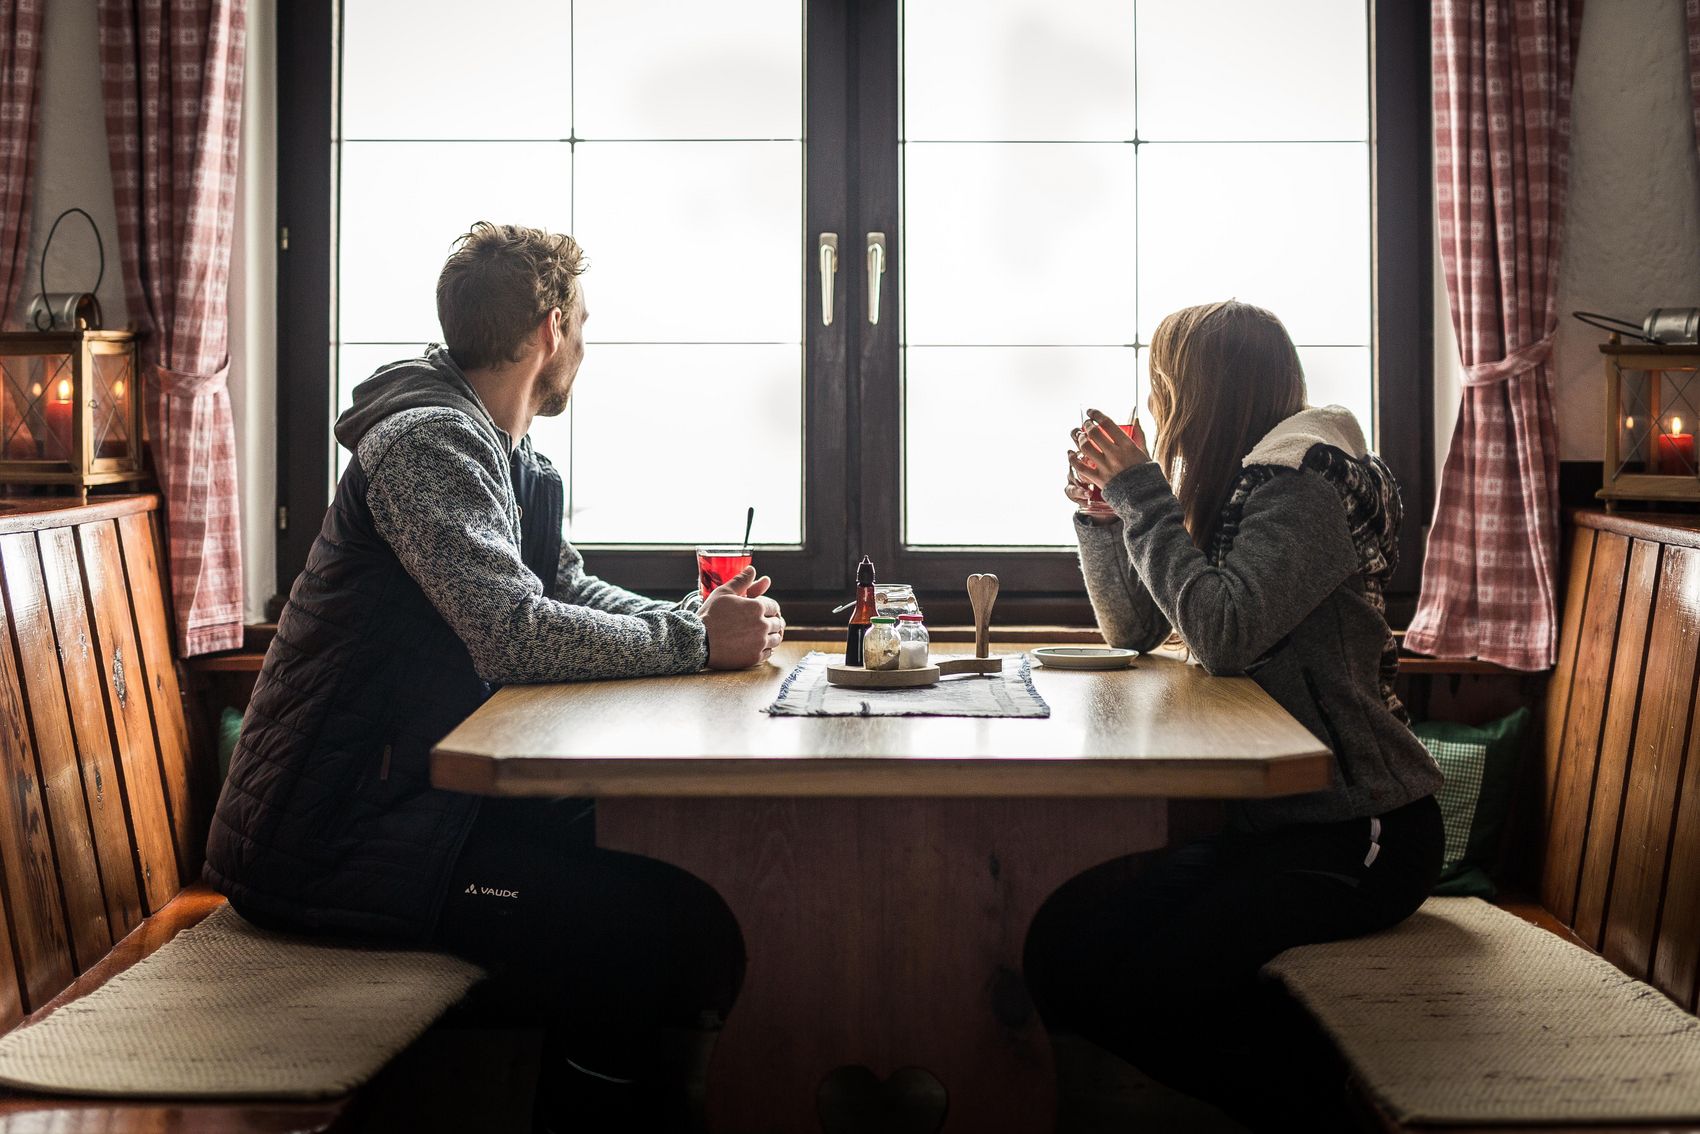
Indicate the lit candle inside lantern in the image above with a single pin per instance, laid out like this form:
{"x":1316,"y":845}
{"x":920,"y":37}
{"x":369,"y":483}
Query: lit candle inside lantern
{"x":1676,"y":450}
{"x":58,"y":409}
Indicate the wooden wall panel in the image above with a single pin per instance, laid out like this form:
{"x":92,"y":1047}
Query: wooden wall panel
{"x":1676,"y":952}
{"x":1577,"y":753}
{"x":96,"y":756}
{"x":1564,"y":671}
{"x":55,"y":749}
{"x":1623,"y":706}
{"x":153,"y":633}
{"x":127,"y":704}
{"x":1655,"y":766}
{"x":33,"y":902}
{"x":11,"y":995}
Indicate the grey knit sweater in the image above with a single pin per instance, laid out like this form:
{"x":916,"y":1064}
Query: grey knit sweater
{"x":1289,"y":594}
{"x":441,"y":495}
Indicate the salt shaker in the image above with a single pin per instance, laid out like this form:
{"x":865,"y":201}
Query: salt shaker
{"x":912,"y":642}
{"x":879,"y":644}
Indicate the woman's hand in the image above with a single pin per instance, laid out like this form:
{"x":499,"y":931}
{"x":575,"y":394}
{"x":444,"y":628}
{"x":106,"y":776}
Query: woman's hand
{"x":1102,"y":451}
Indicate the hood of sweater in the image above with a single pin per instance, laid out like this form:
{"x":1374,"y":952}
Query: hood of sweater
{"x":1328,"y":440}
{"x":1289,"y":443}
{"x":434,"y":381}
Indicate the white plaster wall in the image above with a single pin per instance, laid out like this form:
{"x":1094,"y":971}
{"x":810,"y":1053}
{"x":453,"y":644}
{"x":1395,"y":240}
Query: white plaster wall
{"x":1632,"y":241}
{"x":72,"y":168}
{"x":71,"y":163}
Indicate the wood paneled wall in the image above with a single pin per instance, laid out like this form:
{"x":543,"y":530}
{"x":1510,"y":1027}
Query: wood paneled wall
{"x":100,"y":819}
{"x":1621,"y":861}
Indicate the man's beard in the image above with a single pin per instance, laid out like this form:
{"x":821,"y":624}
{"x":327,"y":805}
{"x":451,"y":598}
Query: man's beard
{"x":556,"y":392}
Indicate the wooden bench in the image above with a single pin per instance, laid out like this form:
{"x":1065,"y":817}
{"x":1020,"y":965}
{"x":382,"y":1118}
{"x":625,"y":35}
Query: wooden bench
{"x":104,"y":800}
{"x":1612,"y":823}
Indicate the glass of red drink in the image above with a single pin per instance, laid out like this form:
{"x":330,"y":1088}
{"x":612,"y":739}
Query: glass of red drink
{"x":715,"y":565}
{"x":1092,"y":492}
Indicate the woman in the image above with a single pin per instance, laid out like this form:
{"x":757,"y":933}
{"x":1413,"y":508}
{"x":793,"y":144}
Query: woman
{"x":1262,"y":535}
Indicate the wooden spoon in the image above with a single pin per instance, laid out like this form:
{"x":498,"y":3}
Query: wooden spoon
{"x":982,"y":593}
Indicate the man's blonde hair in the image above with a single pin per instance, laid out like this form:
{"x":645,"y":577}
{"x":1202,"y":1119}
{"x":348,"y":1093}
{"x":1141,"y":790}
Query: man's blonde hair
{"x":500,"y":280}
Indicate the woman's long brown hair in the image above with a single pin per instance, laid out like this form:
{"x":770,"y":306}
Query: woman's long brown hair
{"x":1222,"y":376}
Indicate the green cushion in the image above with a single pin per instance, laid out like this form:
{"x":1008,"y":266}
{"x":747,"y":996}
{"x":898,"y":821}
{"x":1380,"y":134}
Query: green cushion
{"x":229,"y":731}
{"x":1481,"y":765}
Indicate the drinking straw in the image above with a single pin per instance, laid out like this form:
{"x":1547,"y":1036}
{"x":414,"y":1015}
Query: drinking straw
{"x":749,"y":522}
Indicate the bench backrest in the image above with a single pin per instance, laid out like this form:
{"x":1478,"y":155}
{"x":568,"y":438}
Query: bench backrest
{"x":1621,"y":852}
{"x":99,"y":806}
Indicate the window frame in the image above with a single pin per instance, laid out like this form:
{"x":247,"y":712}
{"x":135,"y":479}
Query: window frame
{"x":852,"y":413}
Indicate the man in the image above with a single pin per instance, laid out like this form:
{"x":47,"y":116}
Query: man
{"x":439,"y":573}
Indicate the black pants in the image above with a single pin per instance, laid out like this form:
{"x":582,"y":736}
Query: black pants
{"x":607,"y":952}
{"x":1163,"y":970}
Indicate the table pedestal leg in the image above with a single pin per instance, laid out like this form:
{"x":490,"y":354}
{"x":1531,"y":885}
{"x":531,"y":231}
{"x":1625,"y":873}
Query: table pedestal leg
{"x":885,"y":933}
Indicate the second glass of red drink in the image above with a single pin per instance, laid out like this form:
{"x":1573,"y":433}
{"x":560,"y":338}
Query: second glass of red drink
{"x":1092,"y":492}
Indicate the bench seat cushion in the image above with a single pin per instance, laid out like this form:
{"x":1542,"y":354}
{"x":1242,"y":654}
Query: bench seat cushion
{"x":1467,"y":1014}
{"x":226,"y":1010}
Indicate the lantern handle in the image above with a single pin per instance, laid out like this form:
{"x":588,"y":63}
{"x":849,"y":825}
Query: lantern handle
{"x":1613,"y":324}
{"x":100,"y":247}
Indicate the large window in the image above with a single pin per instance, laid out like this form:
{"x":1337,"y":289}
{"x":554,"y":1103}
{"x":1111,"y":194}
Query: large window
{"x":1043,"y":182}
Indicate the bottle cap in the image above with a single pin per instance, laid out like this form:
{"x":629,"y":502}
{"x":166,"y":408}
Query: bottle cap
{"x":909,"y":618}
{"x":865,"y":572}
{"x":884,"y":619}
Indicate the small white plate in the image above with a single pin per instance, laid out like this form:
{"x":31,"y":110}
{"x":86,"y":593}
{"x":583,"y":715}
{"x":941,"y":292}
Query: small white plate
{"x":1085,"y":657}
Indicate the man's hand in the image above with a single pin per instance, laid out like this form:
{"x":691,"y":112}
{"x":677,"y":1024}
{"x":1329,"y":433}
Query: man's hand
{"x":744,"y":625}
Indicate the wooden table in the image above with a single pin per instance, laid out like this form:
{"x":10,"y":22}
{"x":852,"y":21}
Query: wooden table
{"x":883,"y":870}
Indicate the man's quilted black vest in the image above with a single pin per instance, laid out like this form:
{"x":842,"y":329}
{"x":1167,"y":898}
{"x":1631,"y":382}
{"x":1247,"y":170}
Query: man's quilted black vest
{"x":328,"y":822}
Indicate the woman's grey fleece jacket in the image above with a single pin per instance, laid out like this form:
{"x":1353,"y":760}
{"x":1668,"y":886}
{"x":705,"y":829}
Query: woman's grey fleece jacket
{"x":1289,"y":594}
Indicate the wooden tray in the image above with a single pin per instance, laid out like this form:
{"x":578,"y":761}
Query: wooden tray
{"x":860,"y":677}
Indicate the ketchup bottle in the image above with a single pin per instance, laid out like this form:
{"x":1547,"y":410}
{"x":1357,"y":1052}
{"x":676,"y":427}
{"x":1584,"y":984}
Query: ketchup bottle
{"x":861,"y":617}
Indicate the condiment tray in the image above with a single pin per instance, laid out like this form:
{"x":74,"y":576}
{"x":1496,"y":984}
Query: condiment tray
{"x":860,"y":677}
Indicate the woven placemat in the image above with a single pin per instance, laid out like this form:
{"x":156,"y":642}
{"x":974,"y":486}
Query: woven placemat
{"x":1010,"y":693}
{"x":1466,"y":1013}
{"x":226,"y":1010}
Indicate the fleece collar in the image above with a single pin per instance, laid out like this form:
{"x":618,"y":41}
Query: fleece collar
{"x":1287,"y":444}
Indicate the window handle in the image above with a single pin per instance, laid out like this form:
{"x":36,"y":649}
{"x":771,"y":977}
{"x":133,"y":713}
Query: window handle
{"x":828,"y":269}
{"x":876,"y":273}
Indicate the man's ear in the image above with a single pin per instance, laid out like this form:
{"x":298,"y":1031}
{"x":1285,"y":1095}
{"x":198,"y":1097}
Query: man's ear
{"x":551,"y":332}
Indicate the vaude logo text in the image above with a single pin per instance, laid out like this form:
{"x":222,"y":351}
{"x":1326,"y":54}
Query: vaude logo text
{"x":488,"y":891}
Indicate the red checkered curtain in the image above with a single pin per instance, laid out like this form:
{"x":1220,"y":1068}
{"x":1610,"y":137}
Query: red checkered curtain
{"x":171,"y":71}
{"x":20,"y":67}
{"x":1502,"y":73}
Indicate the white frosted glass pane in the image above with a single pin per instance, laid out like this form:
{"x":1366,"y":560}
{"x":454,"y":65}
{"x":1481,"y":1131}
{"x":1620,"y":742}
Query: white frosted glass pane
{"x":1342,"y":376}
{"x":1283,"y":226}
{"x":424,"y":69}
{"x":685,"y":69}
{"x":1018,"y":243}
{"x":356,"y":362}
{"x":1018,"y":69}
{"x":692,"y":241}
{"x":1018,"y":403}
{"x":1249,"y":69}
{"x":673,"y":443}
{"x":404,"y":203}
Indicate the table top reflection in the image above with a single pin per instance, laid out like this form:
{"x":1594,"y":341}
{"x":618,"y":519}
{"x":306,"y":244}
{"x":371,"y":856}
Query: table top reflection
{"x":1160,"y":728}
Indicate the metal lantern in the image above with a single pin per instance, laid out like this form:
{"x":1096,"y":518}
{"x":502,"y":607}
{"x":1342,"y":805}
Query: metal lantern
{"x":1652,"y":416}
{"x":70,"y":408}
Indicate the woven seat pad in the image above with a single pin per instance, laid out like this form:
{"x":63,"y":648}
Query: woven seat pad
{"x":1465,"y":1013}
{"x":226,"y":1010}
